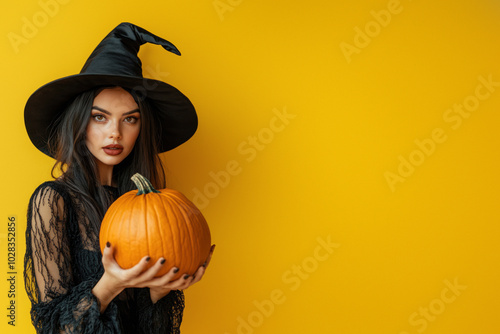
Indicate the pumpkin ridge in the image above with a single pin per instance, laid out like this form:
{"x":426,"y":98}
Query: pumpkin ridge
{"x":189,"y":227}
{"x":154,"y":229}
{"x":117,"y":229}
{"x":146,"y":225}
{"x":194,"y":220}
{"x":129,"y":257}
{"x":175,"y":243}
{"x":160,"y":219}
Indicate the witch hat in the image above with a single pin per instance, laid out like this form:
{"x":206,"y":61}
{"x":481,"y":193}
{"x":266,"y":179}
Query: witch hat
{"x":114,"y":62}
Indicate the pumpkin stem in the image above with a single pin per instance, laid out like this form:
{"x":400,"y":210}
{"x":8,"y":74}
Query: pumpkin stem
{"x":143,"y":184}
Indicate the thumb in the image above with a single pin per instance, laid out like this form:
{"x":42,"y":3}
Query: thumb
{"x":107,"y":255}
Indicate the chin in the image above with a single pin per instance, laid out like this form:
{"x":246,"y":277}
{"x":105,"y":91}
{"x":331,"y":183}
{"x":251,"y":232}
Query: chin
{"x":110,"y":162}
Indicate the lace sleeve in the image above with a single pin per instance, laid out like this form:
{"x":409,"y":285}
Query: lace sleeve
{"x":165,"y":316}
{"x":59,"y":305}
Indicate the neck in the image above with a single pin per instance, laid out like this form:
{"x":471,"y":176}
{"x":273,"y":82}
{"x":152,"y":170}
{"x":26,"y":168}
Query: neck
{"x":105,"y":174}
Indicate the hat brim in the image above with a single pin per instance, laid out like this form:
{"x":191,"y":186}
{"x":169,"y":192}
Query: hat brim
{"x":176,"y":113}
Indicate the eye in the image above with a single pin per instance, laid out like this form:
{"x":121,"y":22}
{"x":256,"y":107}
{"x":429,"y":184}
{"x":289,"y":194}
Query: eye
{"x":99,"y":118}
{"x":131,"y":119}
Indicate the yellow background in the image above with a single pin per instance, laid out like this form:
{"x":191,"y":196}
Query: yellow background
{"x":321,"y":174}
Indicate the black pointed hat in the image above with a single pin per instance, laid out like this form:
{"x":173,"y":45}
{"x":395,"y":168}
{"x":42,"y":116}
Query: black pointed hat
{"x":114,"y":62}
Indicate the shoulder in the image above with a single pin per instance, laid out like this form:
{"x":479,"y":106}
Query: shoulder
{"x":50,"y":193}
{"x":48,"y":207}
{"x":51,"y":187}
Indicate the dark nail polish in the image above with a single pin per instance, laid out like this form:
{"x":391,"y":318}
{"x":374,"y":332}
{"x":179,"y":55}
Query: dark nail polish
{"x":186,"y":276}
{"x":162,"y":261}
{"x":176,"y":270}
{"x":204,"y":265}
{"x":148,"y":258}
{"x":108,"y":244}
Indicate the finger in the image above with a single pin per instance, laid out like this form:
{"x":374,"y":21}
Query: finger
{"x":198,"y":275}
{"x":186,"y":281}
{"x":180,"y":283}
{"x":151,"y":272}
{"x":136,"y":270}
{"x":108,"y":259}
{"x":209,"y":258}
{"x":163,"y":281}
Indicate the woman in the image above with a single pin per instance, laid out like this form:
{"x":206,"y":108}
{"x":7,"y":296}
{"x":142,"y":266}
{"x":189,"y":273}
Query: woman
{"x":102,"y":126}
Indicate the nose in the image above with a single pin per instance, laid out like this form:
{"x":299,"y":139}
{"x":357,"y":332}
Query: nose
{"x":115,"y":132}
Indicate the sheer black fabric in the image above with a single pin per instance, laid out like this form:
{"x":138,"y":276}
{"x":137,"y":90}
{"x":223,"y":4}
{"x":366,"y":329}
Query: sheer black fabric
{"x":62,"y":265}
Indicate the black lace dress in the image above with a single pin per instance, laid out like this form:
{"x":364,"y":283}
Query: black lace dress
{"x":62,"y":265}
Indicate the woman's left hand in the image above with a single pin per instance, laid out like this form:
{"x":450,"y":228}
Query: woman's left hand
{"x":161,"y":286}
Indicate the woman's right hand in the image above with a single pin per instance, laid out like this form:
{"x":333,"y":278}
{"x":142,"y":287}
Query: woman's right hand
{"x":115,"y":279}
{"x":125,"y":278}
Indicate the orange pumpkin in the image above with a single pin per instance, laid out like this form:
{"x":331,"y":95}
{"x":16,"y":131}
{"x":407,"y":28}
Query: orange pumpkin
{"x":160,"y":224}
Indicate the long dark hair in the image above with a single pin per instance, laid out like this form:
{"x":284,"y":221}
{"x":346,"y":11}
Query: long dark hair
{"x":78,"y":167}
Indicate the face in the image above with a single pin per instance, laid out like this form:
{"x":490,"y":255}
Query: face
{"x":113,"y":126}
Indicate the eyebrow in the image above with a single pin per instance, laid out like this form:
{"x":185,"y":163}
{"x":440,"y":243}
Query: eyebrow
{"x":108,"y":113}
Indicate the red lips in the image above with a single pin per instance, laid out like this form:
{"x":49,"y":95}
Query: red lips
{"x":113,"y":149}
